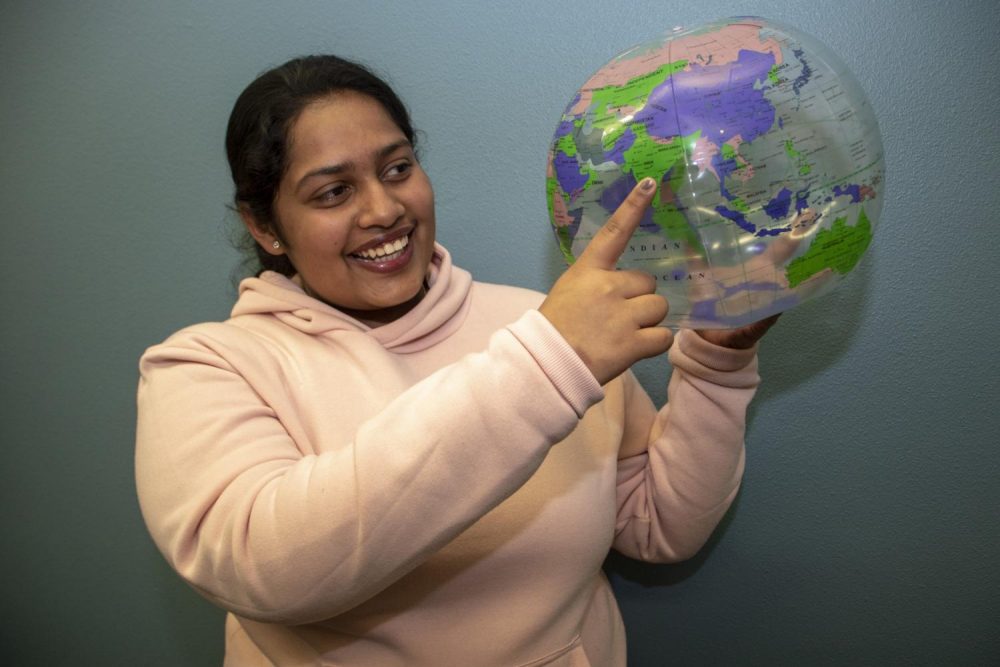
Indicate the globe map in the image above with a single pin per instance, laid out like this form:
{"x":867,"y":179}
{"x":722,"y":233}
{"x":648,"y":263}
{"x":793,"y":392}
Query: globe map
{"x":768,"y":158}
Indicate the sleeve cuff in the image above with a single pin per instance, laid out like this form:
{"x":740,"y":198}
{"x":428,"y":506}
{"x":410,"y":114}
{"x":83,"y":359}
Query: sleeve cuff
{"x":721,"y":365}
{"x":558,"y":360}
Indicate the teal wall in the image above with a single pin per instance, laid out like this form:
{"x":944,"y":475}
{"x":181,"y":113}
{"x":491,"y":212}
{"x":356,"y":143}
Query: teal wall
{"x":868,"y":529}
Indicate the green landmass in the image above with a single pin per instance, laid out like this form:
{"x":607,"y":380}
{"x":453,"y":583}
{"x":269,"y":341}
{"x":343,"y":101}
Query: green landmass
{"x":647,"y":157}
{"x":551,"y":190}
{"x":633,"y":92}
{"x":739,"y":205}
{"x":804,"y":167}
{"x":565,"y":244}
{"x":562,"y":233}
{"x":566,"y":144}
{"x":838,"y":248}
{"x":773,"y":77}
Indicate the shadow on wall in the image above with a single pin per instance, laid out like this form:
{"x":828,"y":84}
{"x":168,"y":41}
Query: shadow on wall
{"x":807,"y":341}
{"x":196,"y":626}
{"x":650,"y":575}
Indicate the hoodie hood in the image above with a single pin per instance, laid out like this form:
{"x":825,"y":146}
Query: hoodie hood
{"x":438,"y":314}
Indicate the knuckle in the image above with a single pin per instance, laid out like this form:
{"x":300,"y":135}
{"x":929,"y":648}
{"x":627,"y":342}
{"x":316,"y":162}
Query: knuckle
{"x":632,"y":204}
{"x":663,"y":307}
{"x":650,"y":282}
{"x":613,"y":227}
{"x":644,"y":282}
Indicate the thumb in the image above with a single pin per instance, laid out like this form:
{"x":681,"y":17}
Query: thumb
{"x":610,"y":240}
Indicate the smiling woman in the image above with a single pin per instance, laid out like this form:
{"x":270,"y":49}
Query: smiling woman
{"x":378,"y":460}
{"x":354,"y":212}
{"x":257,"y":140}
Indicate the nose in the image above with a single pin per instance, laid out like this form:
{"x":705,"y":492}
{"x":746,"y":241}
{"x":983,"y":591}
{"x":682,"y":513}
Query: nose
{"x":382,"y":207}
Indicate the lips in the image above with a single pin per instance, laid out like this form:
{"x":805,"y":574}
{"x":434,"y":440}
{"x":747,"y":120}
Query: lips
{"x":384,"y":250}
{"x":386,"y":254}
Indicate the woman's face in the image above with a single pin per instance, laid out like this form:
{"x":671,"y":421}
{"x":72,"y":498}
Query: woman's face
{"x":355,"y":209}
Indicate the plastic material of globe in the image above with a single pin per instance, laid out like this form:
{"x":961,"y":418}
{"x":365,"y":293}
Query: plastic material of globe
{"x":768,"y":158}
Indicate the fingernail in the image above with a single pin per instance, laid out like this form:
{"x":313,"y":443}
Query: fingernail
{"x":647,"y":184}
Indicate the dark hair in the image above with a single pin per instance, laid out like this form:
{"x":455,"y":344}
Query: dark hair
{"x":257,"y":134}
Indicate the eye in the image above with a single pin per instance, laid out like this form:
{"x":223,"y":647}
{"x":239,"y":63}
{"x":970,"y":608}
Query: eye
{"x":334,"y":194}
{"x":398,"y":170}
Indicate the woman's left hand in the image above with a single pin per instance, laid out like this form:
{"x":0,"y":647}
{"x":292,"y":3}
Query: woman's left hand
{"x":739,"y":339}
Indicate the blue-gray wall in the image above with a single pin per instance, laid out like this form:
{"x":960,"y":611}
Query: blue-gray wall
{"x":867,"y":530}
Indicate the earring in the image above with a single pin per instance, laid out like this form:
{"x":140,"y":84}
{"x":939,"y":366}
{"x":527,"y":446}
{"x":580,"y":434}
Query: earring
{"x":276,"y":245}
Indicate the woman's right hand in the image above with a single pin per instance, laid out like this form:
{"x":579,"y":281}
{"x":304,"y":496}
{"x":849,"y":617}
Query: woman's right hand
{"x":610,"y":317}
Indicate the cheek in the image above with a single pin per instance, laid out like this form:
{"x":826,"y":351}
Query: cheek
{"x":423,"y":198}
{"x":324,"y":230}
{"x":427,"y":212}
{"x":316,"y":241}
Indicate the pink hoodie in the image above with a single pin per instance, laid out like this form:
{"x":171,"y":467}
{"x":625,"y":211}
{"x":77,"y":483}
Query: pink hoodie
{"x":441,"y":490}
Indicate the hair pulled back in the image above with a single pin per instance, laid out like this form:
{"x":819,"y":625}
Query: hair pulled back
{"x":260,"y":122}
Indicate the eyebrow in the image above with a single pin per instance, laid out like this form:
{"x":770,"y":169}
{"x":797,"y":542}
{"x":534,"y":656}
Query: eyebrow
{"x":341,"y":167}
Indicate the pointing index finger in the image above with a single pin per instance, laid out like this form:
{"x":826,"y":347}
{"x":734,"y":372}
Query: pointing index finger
{"x":610,"y":240}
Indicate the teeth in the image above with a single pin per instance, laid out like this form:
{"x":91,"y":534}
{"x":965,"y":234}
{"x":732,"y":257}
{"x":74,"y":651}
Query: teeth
{"x":386,"y":249}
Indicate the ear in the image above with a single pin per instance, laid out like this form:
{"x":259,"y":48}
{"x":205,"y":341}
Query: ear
{"x":260,"y":232}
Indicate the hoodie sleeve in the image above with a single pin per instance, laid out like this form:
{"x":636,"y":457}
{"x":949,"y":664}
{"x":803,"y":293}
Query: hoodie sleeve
{"x":680,"y":468}
{"x":278,"y":536}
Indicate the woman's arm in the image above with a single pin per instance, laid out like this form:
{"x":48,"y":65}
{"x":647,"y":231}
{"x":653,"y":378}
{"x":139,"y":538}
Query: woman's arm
{"x":680,"y":468}
{"x":274,"y":535}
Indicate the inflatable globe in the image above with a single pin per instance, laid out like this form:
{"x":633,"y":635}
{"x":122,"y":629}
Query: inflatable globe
{"x":767,"y":155}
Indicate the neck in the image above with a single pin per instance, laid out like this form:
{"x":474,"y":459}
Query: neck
{"x":380,"y":317}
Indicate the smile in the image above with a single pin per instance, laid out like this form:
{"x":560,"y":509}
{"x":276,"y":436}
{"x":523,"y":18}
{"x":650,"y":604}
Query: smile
{"x":385,"y":252}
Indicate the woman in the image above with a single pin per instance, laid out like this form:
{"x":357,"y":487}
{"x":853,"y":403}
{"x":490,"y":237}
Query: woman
{"x":379,"y":461}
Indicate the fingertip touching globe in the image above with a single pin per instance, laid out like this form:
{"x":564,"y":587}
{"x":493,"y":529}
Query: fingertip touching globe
{"x":768,"y":158}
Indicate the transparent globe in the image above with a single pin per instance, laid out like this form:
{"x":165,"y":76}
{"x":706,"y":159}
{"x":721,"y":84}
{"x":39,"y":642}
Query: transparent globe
{"x":768,"y":158}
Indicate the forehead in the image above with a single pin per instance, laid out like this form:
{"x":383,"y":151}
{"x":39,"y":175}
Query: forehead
{"x":342,"y":127}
